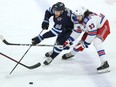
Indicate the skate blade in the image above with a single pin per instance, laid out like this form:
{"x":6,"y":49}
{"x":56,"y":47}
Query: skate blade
{"x":104,"y":71}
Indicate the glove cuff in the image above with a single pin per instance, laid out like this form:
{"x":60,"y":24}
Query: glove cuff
{"x":46,"y":20}
{"x":40,"y":37}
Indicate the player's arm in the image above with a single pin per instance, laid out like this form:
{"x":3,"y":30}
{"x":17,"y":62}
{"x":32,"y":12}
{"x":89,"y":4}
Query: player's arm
{"x":74,"y":35}
{"x":76,"y":32}
{"x":77,"y":28}
{"x":48,"y":14}
{"x":92,"y":32}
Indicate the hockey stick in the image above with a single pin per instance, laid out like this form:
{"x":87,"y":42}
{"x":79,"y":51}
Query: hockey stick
{"x":23,"y":55}
{"x":19,"y":44}
{"x":29,"y":67}
{"x":20,"y":59}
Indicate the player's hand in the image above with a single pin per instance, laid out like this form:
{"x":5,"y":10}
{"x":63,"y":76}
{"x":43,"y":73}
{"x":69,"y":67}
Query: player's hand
{"x":67,"y":44}
{"x":81,"y":46}
{"x":36,"y":40}
{"x":45,"y":24}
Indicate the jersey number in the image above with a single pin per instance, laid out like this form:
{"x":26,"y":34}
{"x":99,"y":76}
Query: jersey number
{"x":58,"y":26}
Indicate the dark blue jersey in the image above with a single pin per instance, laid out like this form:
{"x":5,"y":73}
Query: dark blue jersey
{"x":63,"y":22}
{"x":62,"y":28}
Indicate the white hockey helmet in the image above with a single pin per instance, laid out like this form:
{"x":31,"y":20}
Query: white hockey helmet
{"x":80,"y":11}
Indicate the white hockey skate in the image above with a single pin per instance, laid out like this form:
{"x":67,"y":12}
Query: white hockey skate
{"x":47,"y":61}
{"x":48,"y":54}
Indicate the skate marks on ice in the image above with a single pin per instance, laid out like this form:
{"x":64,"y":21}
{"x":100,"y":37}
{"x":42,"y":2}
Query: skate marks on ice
{"x":90,"y":67}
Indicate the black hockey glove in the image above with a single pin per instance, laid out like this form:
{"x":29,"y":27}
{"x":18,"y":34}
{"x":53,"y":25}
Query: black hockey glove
{"x":45,"y":24}
{"x":36,"y":40}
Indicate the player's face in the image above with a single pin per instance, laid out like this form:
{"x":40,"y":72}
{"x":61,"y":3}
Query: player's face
{"x":57,"y":13}
{"x":79,"y":18}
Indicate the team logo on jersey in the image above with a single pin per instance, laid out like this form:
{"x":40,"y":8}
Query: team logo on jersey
{"x":59,"y":19}
{"x":86,"y":19}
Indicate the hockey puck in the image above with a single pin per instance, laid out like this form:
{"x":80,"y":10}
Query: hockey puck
{"x":30,"y":83}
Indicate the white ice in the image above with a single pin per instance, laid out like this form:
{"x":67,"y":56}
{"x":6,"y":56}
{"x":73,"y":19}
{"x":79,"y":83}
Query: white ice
{"x":20,"y":20}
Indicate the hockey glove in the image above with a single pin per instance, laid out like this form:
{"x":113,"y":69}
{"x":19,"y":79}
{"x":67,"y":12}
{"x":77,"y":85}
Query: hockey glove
{"x":81,"y":46}
{"x":36,"y":40}
{"x":45,"y":24}
{"x":67,"y":44}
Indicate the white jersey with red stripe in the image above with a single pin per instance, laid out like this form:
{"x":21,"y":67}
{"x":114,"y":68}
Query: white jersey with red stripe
{"x":89,"y":25}
{"x":93,"y":22}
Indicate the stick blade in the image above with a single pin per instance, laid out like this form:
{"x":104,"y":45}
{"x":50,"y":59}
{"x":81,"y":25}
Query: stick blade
{"x":35,"y":66}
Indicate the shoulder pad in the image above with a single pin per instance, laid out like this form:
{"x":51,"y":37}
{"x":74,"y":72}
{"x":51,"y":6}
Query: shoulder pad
{"x":69,"y":12}
{"x":50,"y":10}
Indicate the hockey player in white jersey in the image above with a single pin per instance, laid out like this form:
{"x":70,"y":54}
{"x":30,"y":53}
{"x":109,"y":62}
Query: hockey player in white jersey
{"x":96,"y":28}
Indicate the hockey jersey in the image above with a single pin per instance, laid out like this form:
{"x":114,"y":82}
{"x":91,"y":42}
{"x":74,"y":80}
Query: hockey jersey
{"x":62,"y":22}
{"x":90,"y":25}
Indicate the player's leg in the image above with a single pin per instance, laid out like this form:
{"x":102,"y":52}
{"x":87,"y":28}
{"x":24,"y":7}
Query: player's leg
{"x":102,"y":55}
{"x":74,"y":51}
{"x":102,"y":34}
{"x":58,"y":47}
{"x":104,"y":31}
{"x":61,"y":38}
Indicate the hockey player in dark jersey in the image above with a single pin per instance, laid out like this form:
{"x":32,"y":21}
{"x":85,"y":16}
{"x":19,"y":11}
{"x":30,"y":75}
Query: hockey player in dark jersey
{"x":62,"y":29}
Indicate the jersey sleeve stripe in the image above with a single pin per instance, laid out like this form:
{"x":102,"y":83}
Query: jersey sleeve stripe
{"x":92,"y":33}
{"x":78,"y":30}
{"x":56,"y":31}
{"x":50,"y":10}
{"x":102,"y":18}
{"x":71,"y":38}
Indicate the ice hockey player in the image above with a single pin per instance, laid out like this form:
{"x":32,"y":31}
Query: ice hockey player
{"x":62,"y":28}
{"x":96,"y":29}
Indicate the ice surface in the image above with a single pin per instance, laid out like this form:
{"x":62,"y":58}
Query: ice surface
{"x":20,"y":20}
